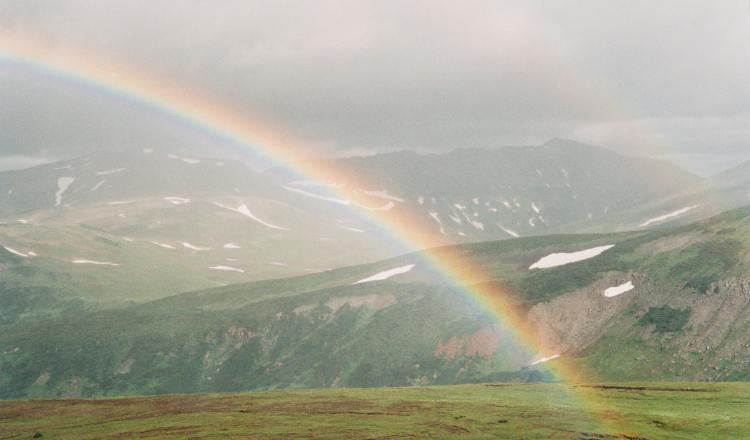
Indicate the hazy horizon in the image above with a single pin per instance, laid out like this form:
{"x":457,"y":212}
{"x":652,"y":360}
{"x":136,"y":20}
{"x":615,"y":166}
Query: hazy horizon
{"x":666,"y":80}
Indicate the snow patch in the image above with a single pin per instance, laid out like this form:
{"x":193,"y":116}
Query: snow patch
{"x":194,"y":247}
{"x":435,"y":217}
{"x":63,"y":183}
{"x":317,"y":196}
{"x":619,"y":290}
{"x":383,"y":194}
{"x":562,"y":258}
{"x":544,"y":359}
{"x":164,"y":245}
{"x":456,"y":219}
{"x":227,"y":269}
{"x":231,"y":246}
{"x":108,"y":172}
{"x":388,"y":206}
{"x":244,"y":210}
{"x":177,"y":200}
{"x":664,"y":217}
{"x":98,"y":185}
{"x":384,"y":275}
{"x":508,"y":231}
{"x":349,"y":228}
{"x":20,"y":254}
{"x":98,"y":263}
{"x":190,"y":161}
{"x":535,"y":208}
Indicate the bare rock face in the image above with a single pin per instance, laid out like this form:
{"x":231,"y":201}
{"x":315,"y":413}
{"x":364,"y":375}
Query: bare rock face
{"x":570,"y":323}
{"x":711,"y":343}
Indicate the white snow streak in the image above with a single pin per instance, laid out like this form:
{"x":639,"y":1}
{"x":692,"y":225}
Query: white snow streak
{"x":227,"y":269}
{"x":317,"y":196}
{"x":388,"y":206}
{"x":661,"y":218}
{"x":380,"y":276}
{"x":560,"y":259}
{"x":244,"y":210}
{"x":98,"y":263}
{"x":383,"y":194}
{"x":618,"y":290}
{"x":545,"y":359}
{"x":108,"y":172}
{"x":177,"y":200}
{"x":63,"y":183}
{"x":194,"y":247}
{"x":20,"y":254}
{"x":435,"y":217}
{"x":98,"y":185}
{"x":508,"y":231}
{"x":349,"y":228}
{"x":164,"y":245}
{"x":231,"y":246}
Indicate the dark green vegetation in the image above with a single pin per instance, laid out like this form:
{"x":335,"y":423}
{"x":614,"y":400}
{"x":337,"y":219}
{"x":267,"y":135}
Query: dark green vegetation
{"x":613,"y":411}
{"x":322,"y":330}
{"x":665,"y":319}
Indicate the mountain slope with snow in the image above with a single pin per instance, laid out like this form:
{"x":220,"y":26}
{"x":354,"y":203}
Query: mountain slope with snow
{"x":670,"y":303}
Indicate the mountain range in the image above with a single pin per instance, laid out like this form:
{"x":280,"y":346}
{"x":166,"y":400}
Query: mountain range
{"x":155,"y":272}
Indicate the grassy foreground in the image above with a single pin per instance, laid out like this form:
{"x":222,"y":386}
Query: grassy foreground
{"x":634,"y":411}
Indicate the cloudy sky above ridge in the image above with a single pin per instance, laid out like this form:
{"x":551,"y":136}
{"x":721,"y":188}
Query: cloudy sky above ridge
{"x":666,"y":78}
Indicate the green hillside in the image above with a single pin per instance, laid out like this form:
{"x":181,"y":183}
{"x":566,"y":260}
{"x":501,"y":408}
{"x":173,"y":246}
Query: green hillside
{"x":687,"y":318}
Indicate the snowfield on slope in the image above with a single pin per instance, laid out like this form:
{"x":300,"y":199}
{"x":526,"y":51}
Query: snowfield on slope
{"x":163,"y":245}
{"x":244,"y":210}
{"x":619,"y":290}
{"x":227,"y":269}
{"x":664,"y":217}
{"x":19,"y":253}
{"x":194,"y":247}
{"x":98,"y":263}
{"x":562,"y":258}
{"x":384,"y":275}
{"x":63,"y":183}
{"x":317,"y":196}
{"x":544,"y":359}
{"x":177,"y":200}
{"x":108,"y":172}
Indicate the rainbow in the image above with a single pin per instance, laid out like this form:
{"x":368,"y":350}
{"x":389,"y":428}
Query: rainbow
{"x":263,"y":139}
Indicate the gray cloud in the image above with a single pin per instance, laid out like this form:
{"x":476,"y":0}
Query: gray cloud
{"x":659,"y":78}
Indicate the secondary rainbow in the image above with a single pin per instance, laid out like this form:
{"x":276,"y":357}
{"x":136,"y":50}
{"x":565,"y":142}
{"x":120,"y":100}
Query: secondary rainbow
{"x":205,"y":114}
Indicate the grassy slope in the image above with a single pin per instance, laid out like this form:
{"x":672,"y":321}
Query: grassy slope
{"x":643,"y":411}
{"x":283,"y":333}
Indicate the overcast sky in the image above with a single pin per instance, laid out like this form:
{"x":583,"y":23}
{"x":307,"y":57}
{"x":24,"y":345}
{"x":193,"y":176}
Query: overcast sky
{"x":661,"y":78}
